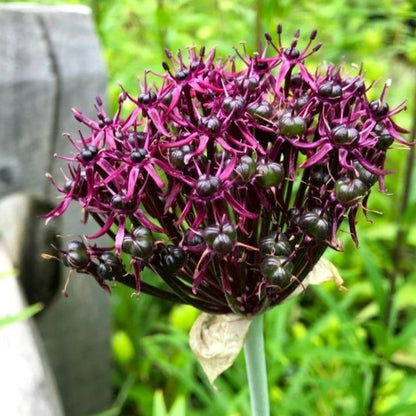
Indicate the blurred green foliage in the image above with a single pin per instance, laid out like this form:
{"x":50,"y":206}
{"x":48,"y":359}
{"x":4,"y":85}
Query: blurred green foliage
{"x":323,"y":348}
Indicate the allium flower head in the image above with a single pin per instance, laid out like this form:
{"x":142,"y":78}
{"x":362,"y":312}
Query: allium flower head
{"x":230,"y":179}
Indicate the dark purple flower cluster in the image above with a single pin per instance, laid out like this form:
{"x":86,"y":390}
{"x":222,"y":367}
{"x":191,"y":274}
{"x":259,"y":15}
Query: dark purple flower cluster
{"x":229,"y":180}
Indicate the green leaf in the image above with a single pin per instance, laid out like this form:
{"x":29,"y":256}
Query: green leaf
{"x":159,"y":407}
{"x":20,"y":316}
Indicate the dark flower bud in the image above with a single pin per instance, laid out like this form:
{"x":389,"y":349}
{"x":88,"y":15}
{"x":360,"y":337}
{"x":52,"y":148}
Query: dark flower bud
{"x":292,"y":53}
{"x":343,"y":135}
{"x":192,"y":239}
{"x":210,"y":233}
{"x":136,"y":138}
{"x":229,"y":230}
{"x":314,"y":225}
{"x":118,"y":202}
{"x":177,"y":155}
{"x":147,"y":98}
{"x":222,"y":244}
{"x":379,"y":108}
{"x":172,"y":258}
{"x":139,"y":243}
{"x":207,"y":185}
{"x":233,"y":104}
{"x":300,"y":102}
{"x":245,"y":169}
{"x":77,"y":255}
{"x":270,"y":174}
{"x":385,"y":140}
{"x":89,"y":153}
{"x":319,"y":175}
{"x":268,"y":245}
{"x":261,"y":111}
{"x":247,"y":84}
{"x":378,"y":128}
{"x":110,"y":266}
{"x":167,"y":98}
{"x":291,"y":125}
{"x":138,"y":155}
{"x":273,"y":270}
{"x":350,"y":191}
{"x":211,"y":123}
{"x":364,"y":175}
{"x":293,"y":214}
{"x":181,"y":74}
{"x":296,"y":80}
{"x":330,"y":90}
{"x":282,"y":246}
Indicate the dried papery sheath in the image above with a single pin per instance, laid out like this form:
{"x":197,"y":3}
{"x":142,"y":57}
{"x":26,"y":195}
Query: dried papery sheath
{"x":230,"y":178}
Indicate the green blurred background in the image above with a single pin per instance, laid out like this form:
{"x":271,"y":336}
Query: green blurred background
{"x":346,"y":353}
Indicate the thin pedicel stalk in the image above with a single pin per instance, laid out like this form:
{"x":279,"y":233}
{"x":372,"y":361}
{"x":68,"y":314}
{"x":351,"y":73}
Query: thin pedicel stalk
{"x":401,"y":235}
{"x":256,"y":368}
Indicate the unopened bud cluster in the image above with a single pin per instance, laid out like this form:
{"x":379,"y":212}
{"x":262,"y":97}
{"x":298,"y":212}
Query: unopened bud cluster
{"x":230,"y":178}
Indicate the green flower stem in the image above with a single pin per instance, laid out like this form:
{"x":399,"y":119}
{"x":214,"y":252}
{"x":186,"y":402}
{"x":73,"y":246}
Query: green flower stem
{"x":256,"y":368}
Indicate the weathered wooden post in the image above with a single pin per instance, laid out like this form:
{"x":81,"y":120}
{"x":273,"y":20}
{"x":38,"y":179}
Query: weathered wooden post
{"x":50,"y":61}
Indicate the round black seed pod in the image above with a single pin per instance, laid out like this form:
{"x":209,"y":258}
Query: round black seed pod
{"x":319,"y":175}
{"x":138,"y":155}
{"x":77,"y":255}
{"x":233,"y":104}
{"x":139,"y":243}
{"x":89,"y":153}
{"x":147,"y":98}
{"x":344,"y":135}
{"x":229,"y":230}
{"x":379,"y":108}
{"x":300,"y":102}
{"x":245,"y":169}
{"x":292,"y":53}
{"x":136,"y":139}
{"x":177,"y":155}
{"x":249,"y":84}
{"x":330,"y":90}
{"x":117,"y":201}
{"x":267,"y":245}
{"x":279,"y":277}
{"x":350,"y":191}
{"x":325,"y":89}
{"x":172,"y":258}
{"x":378,"y":128}
{"x":296,"y":80}
{"x":314,"y":225}
{"x":193,"y":239}
{"x":210,"y":233}
{"x":260,"y":65}
{"x":212,"y":124}
{"x":269,"y":264}
{"x":291,"y":125}
{"x":207,"y":186}
{"x":167,"y":98}
{"x":385,"y":140}
{"x":364,"y":175}
{"x":181,"y":74}
{"x":109,"y":266}
{"x":282,"y":246}
{"x":261,"y":111}
{"x":222,"y":244}
{"x":293,"y":214}
{"x":270,"y":174}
